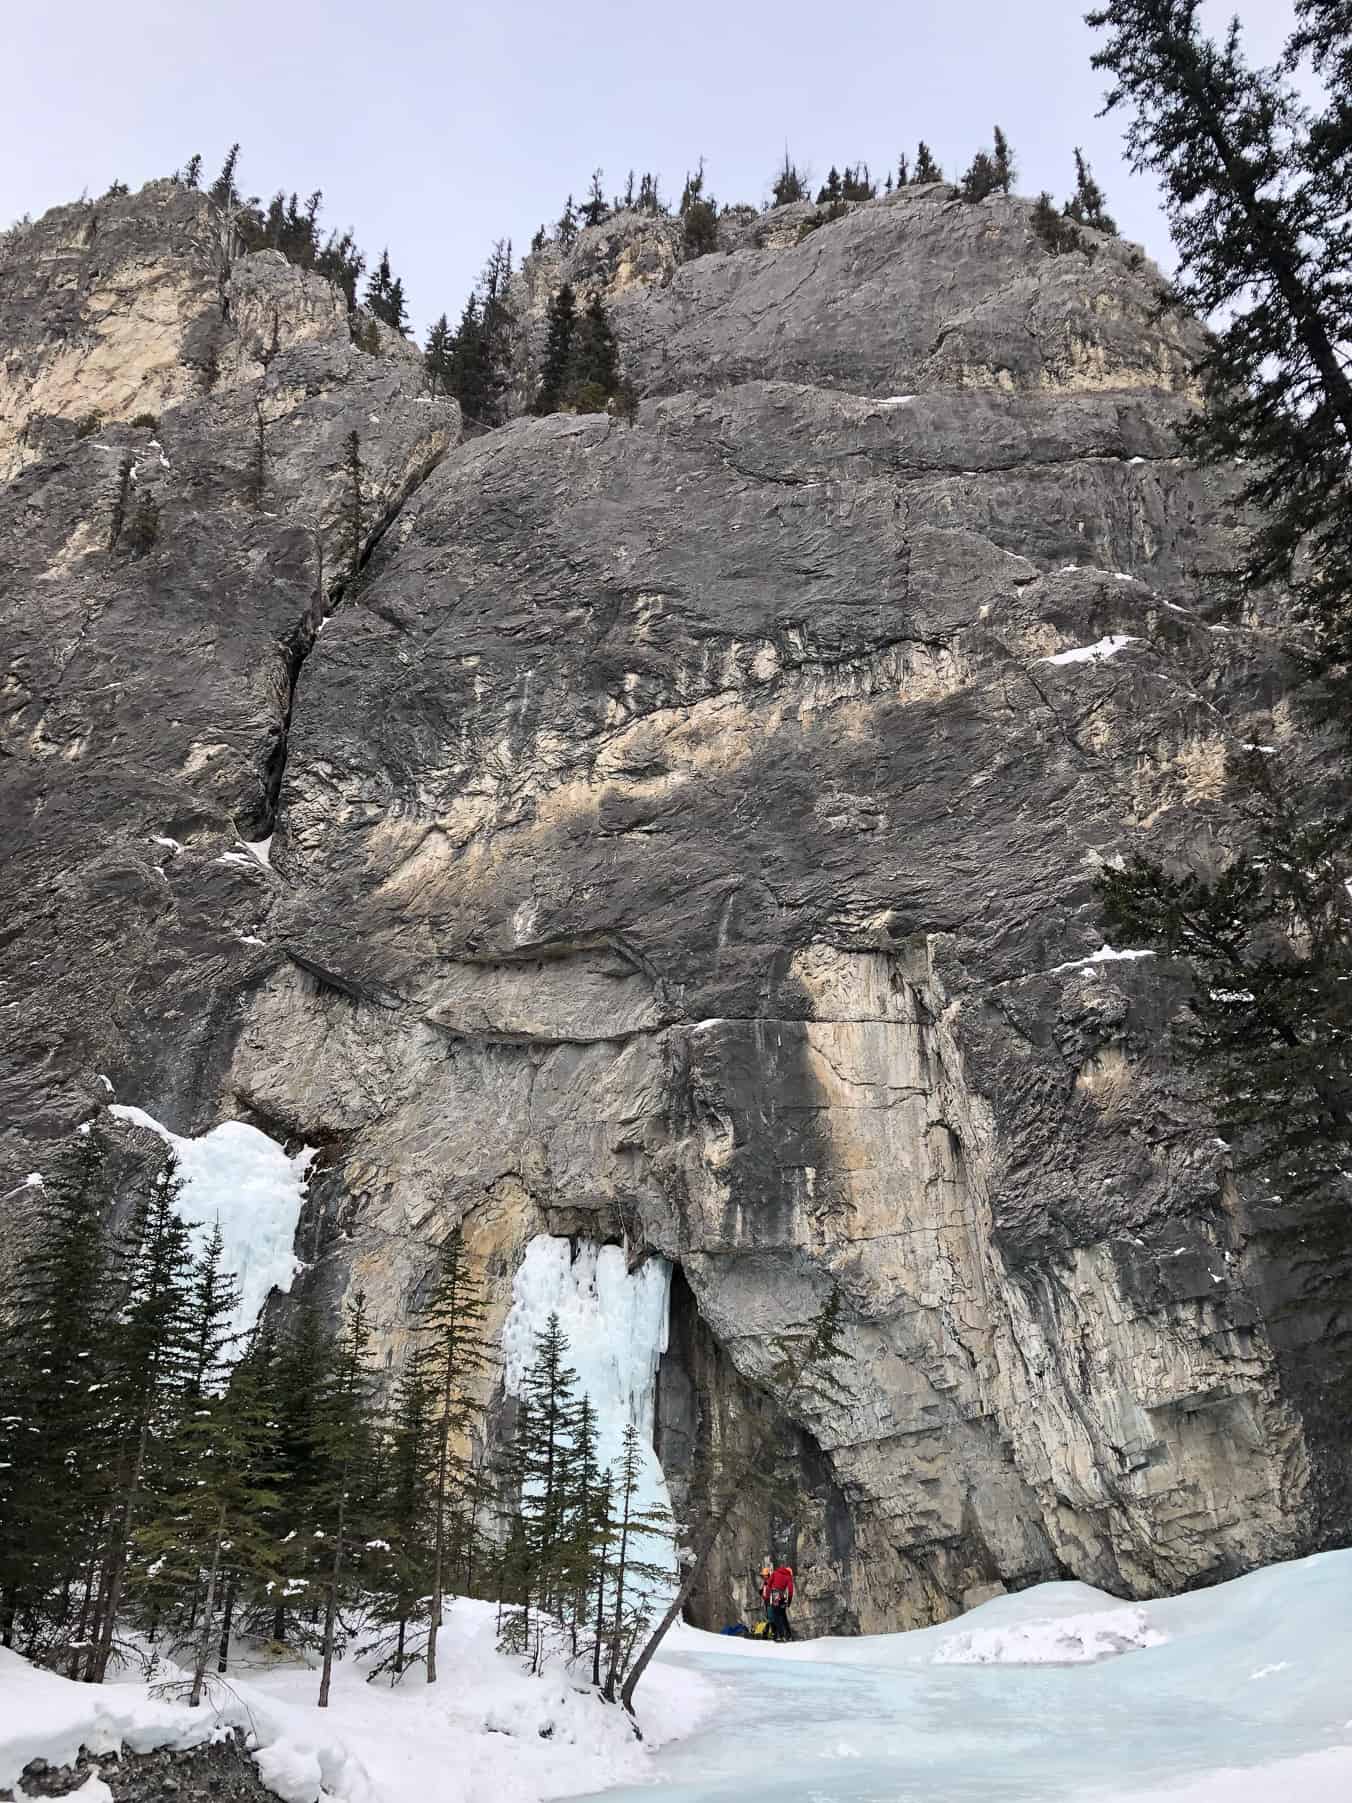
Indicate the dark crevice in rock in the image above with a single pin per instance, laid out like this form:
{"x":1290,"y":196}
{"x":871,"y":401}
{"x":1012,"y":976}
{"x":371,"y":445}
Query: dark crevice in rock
{"x":297,"y":647}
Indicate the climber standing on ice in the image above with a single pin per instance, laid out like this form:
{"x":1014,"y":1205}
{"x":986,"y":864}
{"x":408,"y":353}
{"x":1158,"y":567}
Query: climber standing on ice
{"x":778,"y":1596}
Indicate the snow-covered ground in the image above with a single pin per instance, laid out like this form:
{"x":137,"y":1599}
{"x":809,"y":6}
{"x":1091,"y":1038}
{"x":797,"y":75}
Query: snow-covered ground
{"x":1239,"y":1694}
{"x":485,"y":1733}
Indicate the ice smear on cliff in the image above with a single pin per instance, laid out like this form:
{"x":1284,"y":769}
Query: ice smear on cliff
{"x":241,"y":1178}
{"x":616,"y":1323}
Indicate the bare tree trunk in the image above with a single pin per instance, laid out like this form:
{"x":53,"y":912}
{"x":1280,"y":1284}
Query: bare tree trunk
{"x":439,"y":1559}
{"x":199,"y":1670}
{"x":116,"y":1570}
{"x":227,"y":1623}
{"x":331,"y":1601}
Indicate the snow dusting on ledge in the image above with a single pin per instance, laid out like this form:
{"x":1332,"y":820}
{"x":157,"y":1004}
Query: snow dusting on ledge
{"x":1092,"y":654}
{"x":1104,"y":955}
{"x":238,"y":1176}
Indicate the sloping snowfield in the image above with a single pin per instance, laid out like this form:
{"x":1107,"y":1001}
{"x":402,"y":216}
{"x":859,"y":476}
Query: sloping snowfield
{"x":1242,"y":1694}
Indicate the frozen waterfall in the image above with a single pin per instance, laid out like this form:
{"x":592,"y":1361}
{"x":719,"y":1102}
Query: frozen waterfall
{"x":616,"y":1323}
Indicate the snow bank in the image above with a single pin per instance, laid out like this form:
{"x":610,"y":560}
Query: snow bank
{"x":46,"y":1717}
{"x":1068,"y":1640}
{"x":616,"y":1323}
{"x":485,"y":1733}
{"x":1092,"y":654}
{"x":241,"y":1178}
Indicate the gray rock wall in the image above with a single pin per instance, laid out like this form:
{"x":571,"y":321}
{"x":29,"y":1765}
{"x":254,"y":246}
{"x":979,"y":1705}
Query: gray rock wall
{"x":684,"y":834}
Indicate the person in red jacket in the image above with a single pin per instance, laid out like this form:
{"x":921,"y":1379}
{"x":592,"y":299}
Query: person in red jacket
{"x":778,"y":1595}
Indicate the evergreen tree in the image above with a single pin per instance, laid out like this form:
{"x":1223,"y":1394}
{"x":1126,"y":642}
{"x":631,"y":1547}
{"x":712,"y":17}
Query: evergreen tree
{"x":830,"y":190}
{"x":567,"y":227}
{"x":451,"y":1353}
{"x":471,"y":377}
{"x":496,"y":326}
{"x":192,"y":175}
{"x":903,"y":173}
{"x":595,"y":209}
{"x":594,"y":360}
{"x":561,"y":323}
{"x":407,"y":1577}
{"x":341,"y":263}
{"x":543,"y":1473}
{"x":223,"y":190}
{"x":628,"y":1528}
{"x":1256,"y":188}
{"x":1052,"y":227}
{"x":151,"y":1354}
{"x":1003,"y":161}
{"x":385,"y":296}
{"x":990,"y":172}
{"x":699,"y":216}
{"x":343,"y":1498}
{"x":926,"y":169}
{"x":213,"y":1526}
{"x":788,"y":184}
{"x":1087,"y":205}
{"x":438,"y":357}
{"x":53,"y":1428}
{"x":294,"y":1377}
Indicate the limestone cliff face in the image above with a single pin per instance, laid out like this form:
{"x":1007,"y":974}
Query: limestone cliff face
{"x":685,"y":834}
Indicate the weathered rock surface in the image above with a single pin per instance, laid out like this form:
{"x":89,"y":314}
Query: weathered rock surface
{"x":221,"y":1769}
{"x":682,"y":835}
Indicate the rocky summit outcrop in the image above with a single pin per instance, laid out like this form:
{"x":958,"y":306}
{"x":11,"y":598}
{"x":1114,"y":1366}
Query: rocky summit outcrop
{"x":685,"y":834}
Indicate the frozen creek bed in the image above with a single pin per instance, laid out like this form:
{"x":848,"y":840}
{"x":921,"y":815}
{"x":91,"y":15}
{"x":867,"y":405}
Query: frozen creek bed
{"x":1241,"y":1694}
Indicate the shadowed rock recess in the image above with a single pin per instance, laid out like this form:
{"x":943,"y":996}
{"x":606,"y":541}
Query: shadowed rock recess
{"x":684,"y":834}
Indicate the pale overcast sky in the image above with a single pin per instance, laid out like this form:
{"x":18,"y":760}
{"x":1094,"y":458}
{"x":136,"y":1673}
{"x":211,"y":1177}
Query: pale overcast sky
{"x":436,"y":129}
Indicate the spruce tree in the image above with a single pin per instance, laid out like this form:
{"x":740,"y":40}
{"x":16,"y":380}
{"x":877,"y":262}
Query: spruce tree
{"x":699,"y":216}
{"x":223,"y":190}
{"x":633,"y":1574}
{"x":567,"y":226}
{"x":296,"y":1378}
{"x":452,"y":1351}
{"x":470,"y":377}
{"x":1087,"y":205}
{"x":341,"y":1503}
{"x":830,"y":189}
{"x":595,"y":209}
{"x":192,"y":174}
{"x":981,"y":178}
{"x":151,"y":1355}
{"x":58,"y":1307}
{"x":1003,"y":160}
{"x":496,"y":326}
{"x":1256,"y":187}
{"x":561,"y":323}
{"x":594,"y":360}
{"x":788,"y":184}
{"x":438,"y":357}
{"x":926,"y":169}
{"x":543,"y":1475}
{"x":400,"y":1598}
{"x":903,"y":173}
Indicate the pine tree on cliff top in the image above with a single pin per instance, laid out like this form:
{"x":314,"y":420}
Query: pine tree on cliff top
{"x":1257,"y":190}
